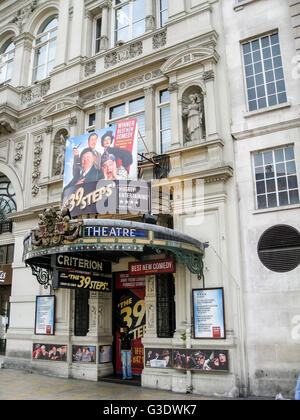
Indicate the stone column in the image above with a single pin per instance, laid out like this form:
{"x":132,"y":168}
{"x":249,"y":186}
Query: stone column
{"x":105,"y":26}
{"x":23,"y":49}
{"x":76,"y":37}
{"x":100,"y":315}
{"x":176,"y":135}
{"x":150,"y":18}
{"x":210,"y":106}
{"x":150,"y":301}
{"x":62,"y":34}
{"x":100,"y":115}
{"x":150,"y":134}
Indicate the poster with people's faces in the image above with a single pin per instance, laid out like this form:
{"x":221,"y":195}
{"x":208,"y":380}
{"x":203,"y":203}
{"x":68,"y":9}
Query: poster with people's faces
{"x":109,"y":154}
{"x":100,"y":171}
{"x":84,"y":354}
{"x":188,"y":359}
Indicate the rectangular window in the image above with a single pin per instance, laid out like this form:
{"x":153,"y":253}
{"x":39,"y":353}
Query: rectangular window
{"x":164,"y":121}
{"x":130,"y":19}
{"x":276,"y":181}
{"x":81,"y":326}
{"x":131,"y":109}
{"x":163,"y":12}
{"x":165,"y":305}
{"x":98,"y":24}
{"x":264,"y":76}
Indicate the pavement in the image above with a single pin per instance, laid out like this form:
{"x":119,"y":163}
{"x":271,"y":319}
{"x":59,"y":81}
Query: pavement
{"x":21,"y":385}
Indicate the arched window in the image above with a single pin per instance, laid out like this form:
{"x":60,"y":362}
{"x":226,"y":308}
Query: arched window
{"x":45,"y":46}
{"x":7,"y":53}
{"x":7,"y":198}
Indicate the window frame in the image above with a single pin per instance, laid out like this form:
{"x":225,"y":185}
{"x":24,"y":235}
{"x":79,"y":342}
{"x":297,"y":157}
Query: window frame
{"x":127,"y":114}
{"x":114,"y":18}
{"x":38,"y":46}
{"x":5,"y":52}
{"x":159,"y":107}
{"x":263,"y":73}
{"x":275,"y":178}
{"x":160,"y":12}
{"x":95,"y":39}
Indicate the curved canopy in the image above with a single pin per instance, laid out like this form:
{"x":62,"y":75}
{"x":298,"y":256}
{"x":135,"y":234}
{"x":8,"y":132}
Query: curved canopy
{"x":108,"y":240}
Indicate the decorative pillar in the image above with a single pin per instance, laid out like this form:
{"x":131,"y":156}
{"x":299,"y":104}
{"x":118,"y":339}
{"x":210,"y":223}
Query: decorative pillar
{"x":100,"y":115}
{"x":150,"y":135}
{"x":175,"y":115}
{"x":210,"y":108}
{"x":75,"y":50}
{"x":100,"y":315}
{"x":23,"y":50}
{"x":104,"y":26}
{"x":150,"y":18}
{"x":62,"y":34}
{"x":150,"y":301}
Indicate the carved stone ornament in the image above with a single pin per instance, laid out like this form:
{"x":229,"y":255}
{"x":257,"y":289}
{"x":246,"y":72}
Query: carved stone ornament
{"x":54,"y":228}
{"x":37,"y":158}
{"x":90,"y":68}
{"x":35,"y":93}
{"x":23,"y":15}
{"x":133,"y":50}
{"x":18,"y":152}
{"x":59,"y":152}
{"x":159,"y":40}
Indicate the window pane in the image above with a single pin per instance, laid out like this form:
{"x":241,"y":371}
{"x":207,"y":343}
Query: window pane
{"x":165,"y":121}
{"x":51,"y":54}
{"x":139,"y":10}
{"x":268,"y":157}
{"x":165,"y":141}
{"x":292,"y":182}
{"x":271,"y":185}
{"x":289,"y":153}
{"x":137,"y":105}
{"x":138,"y":29}
{"x":259,"y":173}
{"x":122,"y":17}
{"x":258,"y":159}
{"x":279,"y":157}
{"x":281,"y":184}
{"x":123,"y":34}
{"x":283,"y":198}
{"x":117,"y":111}
{"x":164,"y":96}
{"x":260,"y":187}
{"x":272,"y":200}
{"x":294,"y":197}
{"x":261,"y":202}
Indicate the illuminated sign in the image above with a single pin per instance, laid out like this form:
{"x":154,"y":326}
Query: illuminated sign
{"x":114,"y":231}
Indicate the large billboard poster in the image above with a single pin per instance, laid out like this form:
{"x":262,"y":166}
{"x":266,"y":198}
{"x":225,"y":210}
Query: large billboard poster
{"x":96,"y":162}
{"x":109,"y":154}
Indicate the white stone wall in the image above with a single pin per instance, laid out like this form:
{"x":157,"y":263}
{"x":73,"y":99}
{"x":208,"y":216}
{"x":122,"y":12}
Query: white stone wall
{"x":271,"y":299}
{"x":189,"y":53}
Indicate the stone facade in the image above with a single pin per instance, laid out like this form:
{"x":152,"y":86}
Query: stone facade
{"x":196,"y":57}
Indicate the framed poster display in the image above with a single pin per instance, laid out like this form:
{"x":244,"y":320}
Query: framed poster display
{"x":105,"y":354}
{"x":44,"y":315}
{"x":208,"y":313}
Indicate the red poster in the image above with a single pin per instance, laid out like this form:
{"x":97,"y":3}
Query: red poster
{"x":151,"y":267}
{"x":130,"y":311}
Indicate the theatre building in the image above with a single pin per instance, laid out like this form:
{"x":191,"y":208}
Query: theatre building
{"x":116,"y":143}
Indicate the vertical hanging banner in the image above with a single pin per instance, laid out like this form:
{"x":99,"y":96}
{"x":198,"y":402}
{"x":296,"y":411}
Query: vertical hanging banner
{"x":95,"y":163}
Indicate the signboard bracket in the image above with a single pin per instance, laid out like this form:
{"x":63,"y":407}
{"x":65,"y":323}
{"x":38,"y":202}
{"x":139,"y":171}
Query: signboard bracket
{"x":43,"y":275}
